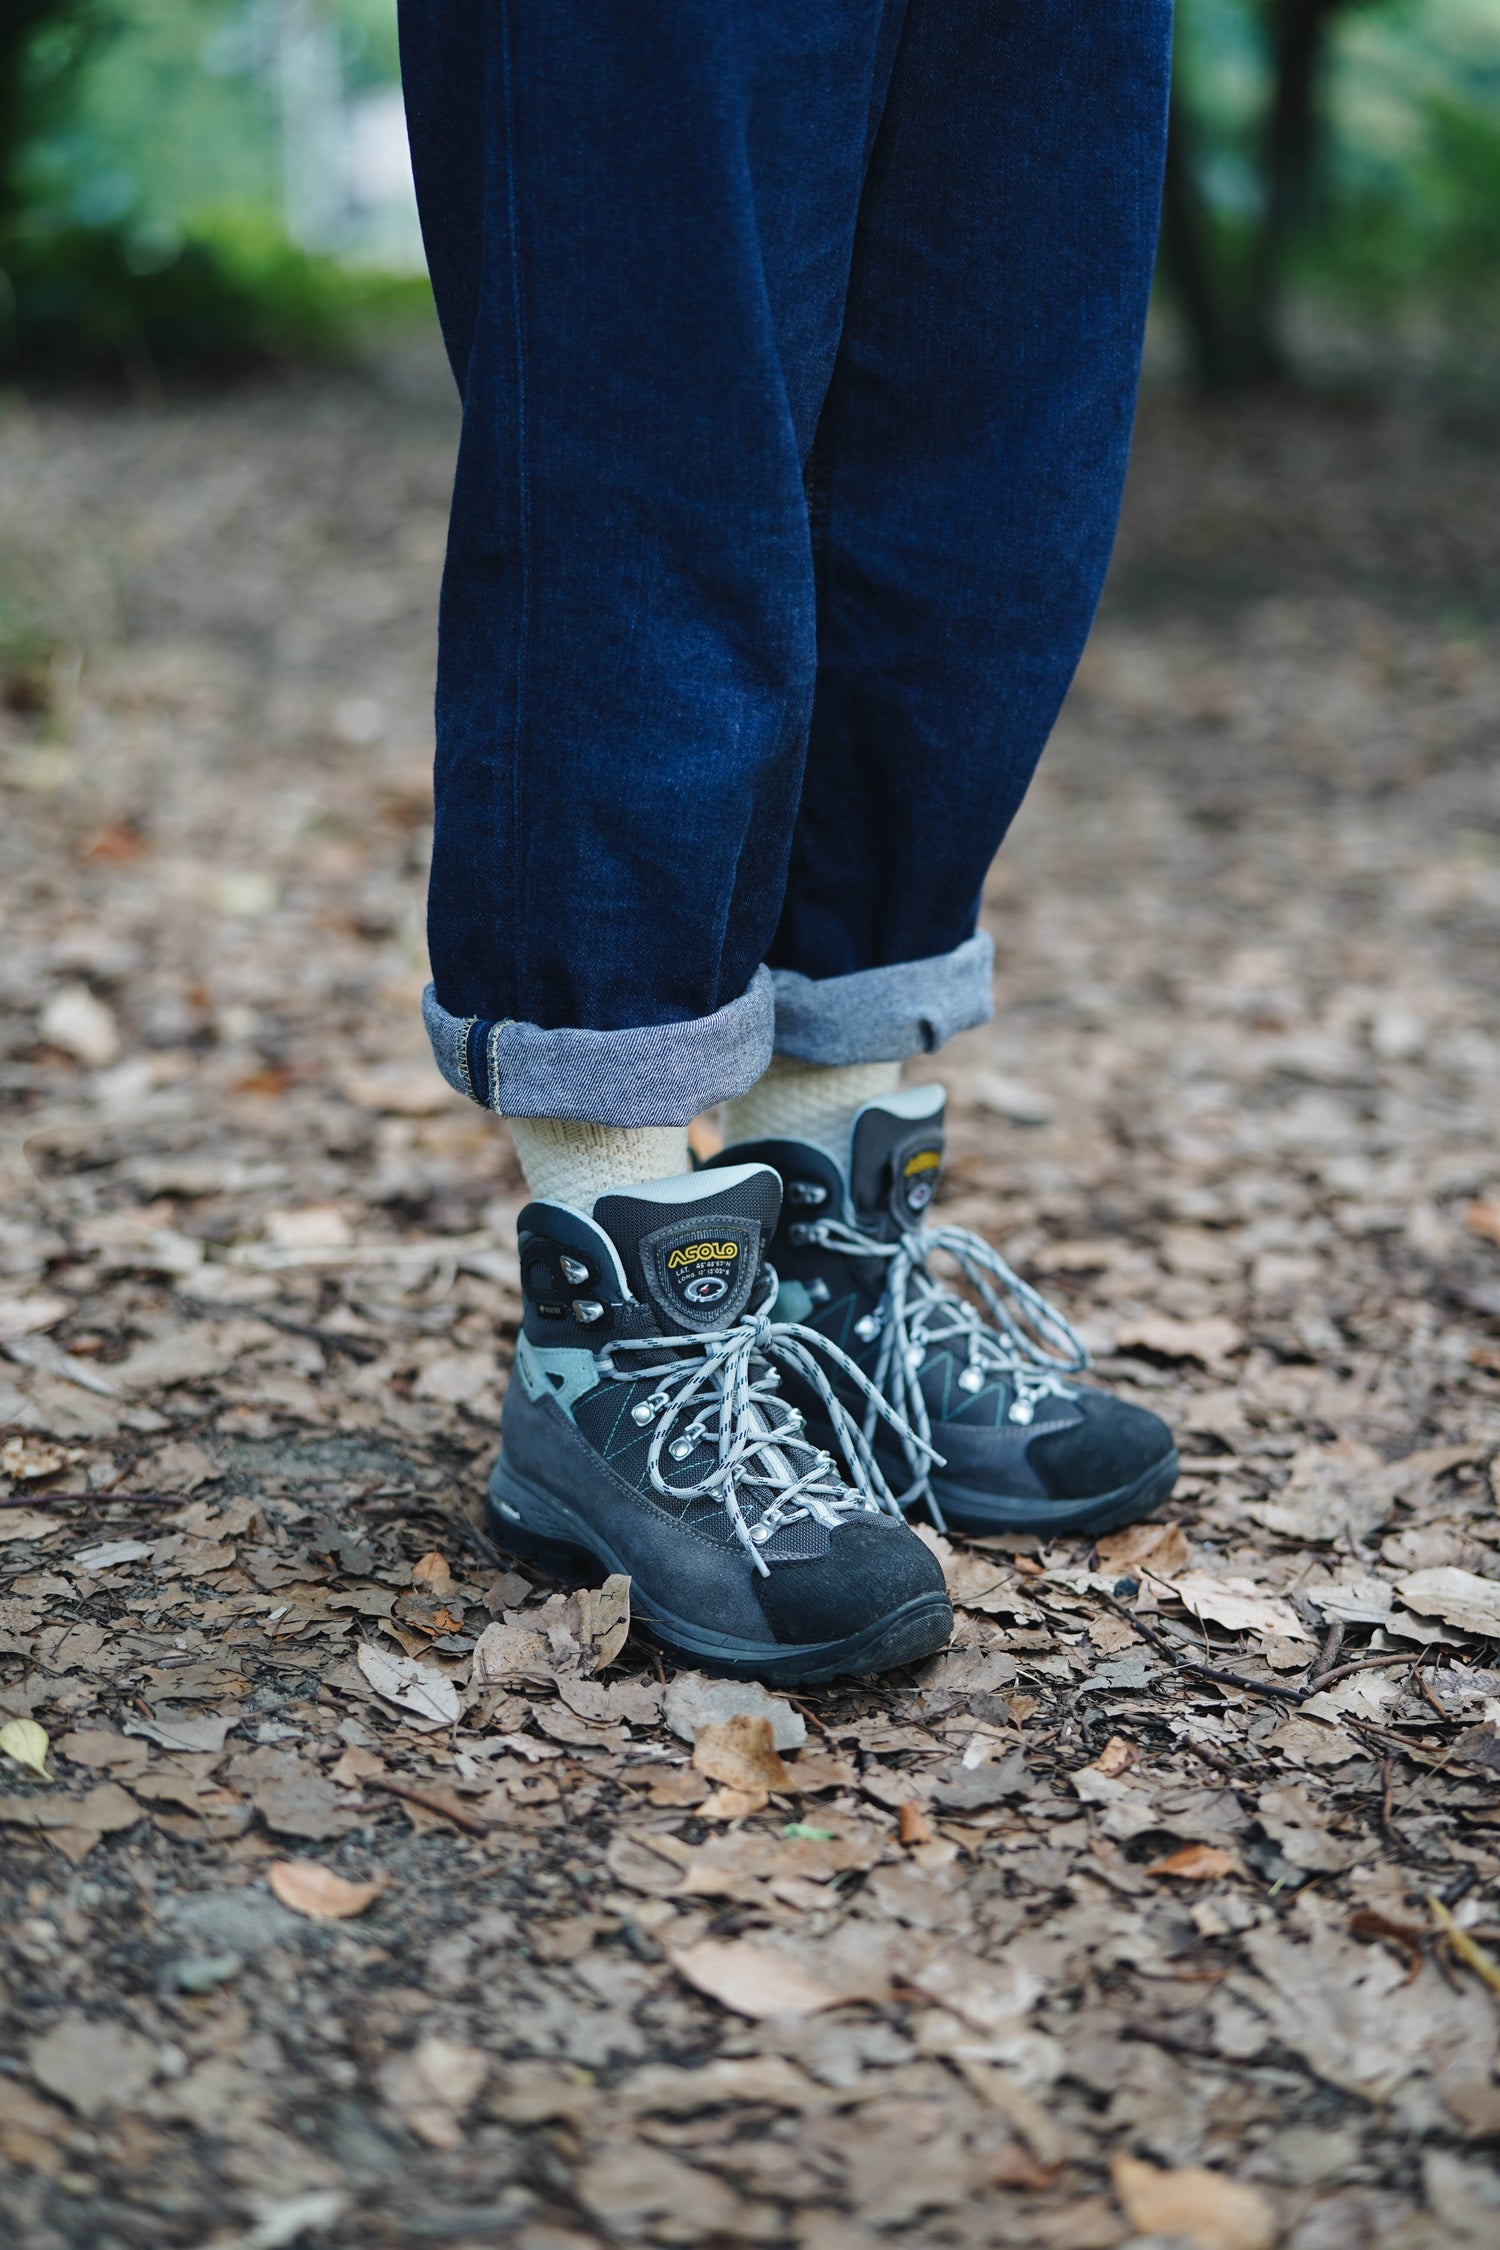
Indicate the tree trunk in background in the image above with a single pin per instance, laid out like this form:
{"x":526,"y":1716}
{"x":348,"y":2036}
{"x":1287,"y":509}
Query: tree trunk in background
{"x":1232,"y":307}
{"x":20,"y":21}
{"x":1300,"y":45}
{"x":1188,"y":256}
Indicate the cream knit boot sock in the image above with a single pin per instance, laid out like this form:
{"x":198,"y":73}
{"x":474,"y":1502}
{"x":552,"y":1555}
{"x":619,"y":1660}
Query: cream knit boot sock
{"x":816,"y":1102}
{"x":566,"y":1162}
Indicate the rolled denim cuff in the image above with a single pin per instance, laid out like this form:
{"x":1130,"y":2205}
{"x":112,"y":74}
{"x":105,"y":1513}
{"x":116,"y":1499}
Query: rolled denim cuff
{"x":884,"y":1015}
{"x":654,"y":1074}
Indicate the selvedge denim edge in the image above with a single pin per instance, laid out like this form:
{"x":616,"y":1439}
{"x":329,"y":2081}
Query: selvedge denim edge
{"x":651,"y":1074}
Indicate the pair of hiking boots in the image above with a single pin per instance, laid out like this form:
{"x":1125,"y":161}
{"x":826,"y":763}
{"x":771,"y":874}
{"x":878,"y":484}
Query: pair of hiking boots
{"x":731,"y":1386}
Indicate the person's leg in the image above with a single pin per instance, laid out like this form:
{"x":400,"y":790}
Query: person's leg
{"x":965,"y":483}
{"x":639,"y":222}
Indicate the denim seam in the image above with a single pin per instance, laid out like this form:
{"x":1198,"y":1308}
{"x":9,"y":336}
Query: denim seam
{"x":520,"y":912}
{"x":461,"y":1054}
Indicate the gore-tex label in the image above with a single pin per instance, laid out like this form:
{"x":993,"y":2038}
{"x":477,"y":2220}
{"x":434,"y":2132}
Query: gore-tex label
{"x":700,"y":1271}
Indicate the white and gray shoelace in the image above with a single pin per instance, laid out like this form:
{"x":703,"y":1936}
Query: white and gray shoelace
{"x":1032,"y":1352}
{"x":720,"y":1390}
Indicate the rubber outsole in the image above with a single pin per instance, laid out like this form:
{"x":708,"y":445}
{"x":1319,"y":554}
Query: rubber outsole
{"x":965,"y":1509}
{"x":535,"y":1526}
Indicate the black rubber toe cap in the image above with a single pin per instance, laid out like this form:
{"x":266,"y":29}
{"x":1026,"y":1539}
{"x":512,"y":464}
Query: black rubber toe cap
{"x":1113,"y":1446}
{"x":873,"y":1567}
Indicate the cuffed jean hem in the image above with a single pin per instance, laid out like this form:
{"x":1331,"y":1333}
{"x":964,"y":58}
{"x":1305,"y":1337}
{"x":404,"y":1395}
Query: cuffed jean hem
{"x":653,"y":1074}
{"x":884,"y":1015}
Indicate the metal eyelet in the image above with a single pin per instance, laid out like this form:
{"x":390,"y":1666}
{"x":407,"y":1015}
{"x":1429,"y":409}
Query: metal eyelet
{"x":643,"y":1411}
{"x":806,"y":1192}
{"x":587,"y":1310}
{"x":680,"y":1448}
{"x":575,"y":1270}
{"x":1022,"y":1411}
{"x":867,"y":1329}
{"x":971,"y":1380}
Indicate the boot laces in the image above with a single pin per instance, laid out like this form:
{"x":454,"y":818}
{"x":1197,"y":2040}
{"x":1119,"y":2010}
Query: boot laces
{"x":1032,"y":1347}
{"x":720,"y":1388}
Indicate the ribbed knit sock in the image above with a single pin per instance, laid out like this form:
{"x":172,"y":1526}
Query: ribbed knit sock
{"x":568,"y":1162}
{"x":816,"y":1102}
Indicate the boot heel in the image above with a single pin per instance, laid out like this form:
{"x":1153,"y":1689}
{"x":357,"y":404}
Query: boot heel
{"x":521,"y":1522}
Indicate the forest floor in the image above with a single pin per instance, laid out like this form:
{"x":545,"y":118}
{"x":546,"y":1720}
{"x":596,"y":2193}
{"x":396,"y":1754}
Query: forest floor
{"x":1162,"y":1907}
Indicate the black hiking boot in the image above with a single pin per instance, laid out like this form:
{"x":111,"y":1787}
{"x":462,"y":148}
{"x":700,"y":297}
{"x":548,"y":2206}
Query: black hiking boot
{"x":1023,"y":1446}
{"x":644,"y":1431}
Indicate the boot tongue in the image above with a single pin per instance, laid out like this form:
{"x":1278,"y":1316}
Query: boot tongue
{"x":895,"y":1160}
{"x":692,"y":1248}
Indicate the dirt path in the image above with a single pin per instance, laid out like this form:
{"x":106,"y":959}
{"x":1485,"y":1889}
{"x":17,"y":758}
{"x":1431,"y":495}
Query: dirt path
{"x":1143,"y":1870}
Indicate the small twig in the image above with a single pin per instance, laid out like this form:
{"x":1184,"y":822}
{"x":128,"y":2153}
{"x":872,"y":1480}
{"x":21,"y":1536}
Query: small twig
{"x":1365,"y":1663}
{"x":429,"y":1803}
{"x":1485,"y":1967}
{"x":356,"y":1347}
{"x":1221,"y":1673}
{"x":1328,"y":1655}
{"x":1446,"y":1716}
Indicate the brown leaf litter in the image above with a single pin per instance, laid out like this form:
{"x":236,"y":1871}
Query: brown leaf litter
{"x":373,"y":1890}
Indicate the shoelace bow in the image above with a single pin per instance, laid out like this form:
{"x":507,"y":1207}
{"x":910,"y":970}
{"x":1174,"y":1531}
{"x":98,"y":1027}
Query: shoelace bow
{"x":918,"y":1312}
{"x":728,"y":1379}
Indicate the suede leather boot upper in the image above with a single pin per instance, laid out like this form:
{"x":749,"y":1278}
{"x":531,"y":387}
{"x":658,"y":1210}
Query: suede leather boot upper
{"x":1023,"y":1445}
{"x":645,"y":1430}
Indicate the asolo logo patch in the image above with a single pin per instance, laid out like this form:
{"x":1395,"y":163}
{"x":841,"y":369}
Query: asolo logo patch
{"x":701,"y":1279}
{"x":919,"y":1177}
{"x":690,"y":1269}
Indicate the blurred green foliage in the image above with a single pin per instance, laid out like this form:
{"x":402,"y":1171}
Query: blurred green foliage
{"x":1339,"y":158}
{"x":142,"y":192}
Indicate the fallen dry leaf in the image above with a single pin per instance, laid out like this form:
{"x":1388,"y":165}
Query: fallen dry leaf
{"x":93,"y":2064}
{"x":26,"y":1742}
{"x":78,"y":1022}
{"x":733,"y":1804}
{"x":751,"y":1979}
{"x":913,"y":1824}
{"x":1196,"y":1863}
{"x":604,"y":1612}
{"x":1160,"y":1547}
{"x":427,"y":1694}
{"x":24,"y":1523}
{"x":1483,"y":1218}
{"x":309,"y":1888}
{"x":741,"y":1752}
{"x":1210,"y":1340}
{"x":693,"y":1701}
{"x":1201,"y":2207}
{"x":1237,"y":1605}
{"x":1458,"y":1597}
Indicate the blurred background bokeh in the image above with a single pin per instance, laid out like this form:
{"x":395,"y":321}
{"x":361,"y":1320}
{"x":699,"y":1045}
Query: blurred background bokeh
{"x":200,"y":186}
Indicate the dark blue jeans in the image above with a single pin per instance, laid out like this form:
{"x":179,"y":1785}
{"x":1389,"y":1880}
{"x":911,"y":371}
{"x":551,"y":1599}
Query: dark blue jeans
{"x":798,"y":344}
